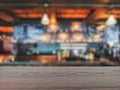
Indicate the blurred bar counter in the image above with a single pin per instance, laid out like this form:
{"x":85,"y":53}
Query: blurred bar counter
{"x":36,"y":58}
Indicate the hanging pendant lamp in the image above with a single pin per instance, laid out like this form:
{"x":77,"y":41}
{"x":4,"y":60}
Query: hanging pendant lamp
{"x":45,"y":19}
{"x":111,"y":21}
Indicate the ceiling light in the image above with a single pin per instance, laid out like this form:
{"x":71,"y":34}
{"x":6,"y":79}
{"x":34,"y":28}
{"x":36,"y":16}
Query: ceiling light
{"x":53,"y":28}
{"x":53,"y":25}
{"x":111,"y":20}
{"x":45,"y":19}
{"x":75,"y":26}
{"x":46,"y":37}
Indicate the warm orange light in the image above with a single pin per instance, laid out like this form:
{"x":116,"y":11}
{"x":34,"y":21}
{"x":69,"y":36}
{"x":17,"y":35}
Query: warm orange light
{"x":2,"y":58}
{"x":73,"y":10}
{"x":75,"y":26}
{"x":64,"y":36}
{"x":46,"y":38}
{"x":53,"y":18}
{"x":5,"y":17}
{"x":75,"y":15}
{"x":6,"y":29}
{"x":100,"y":27}
{"x":35,"y":10}
{"x":61,"y":13}
{"x":53,"y":28}
{"x":77,"y":37}
{"x":30,"y":15}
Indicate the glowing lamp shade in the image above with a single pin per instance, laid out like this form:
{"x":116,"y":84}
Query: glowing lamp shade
{"x":53,"y":28}
{"x":63,"y":36}
{"x":45,"y":19}
{"x":111,"y":20}
{"x":46,"y":38}
{"x":77,"y":37}
{"x":75,"y":26}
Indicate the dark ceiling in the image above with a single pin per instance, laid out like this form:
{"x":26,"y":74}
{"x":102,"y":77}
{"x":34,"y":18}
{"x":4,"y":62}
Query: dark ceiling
{"x":61,"y":1}
{"x":87,"y":10}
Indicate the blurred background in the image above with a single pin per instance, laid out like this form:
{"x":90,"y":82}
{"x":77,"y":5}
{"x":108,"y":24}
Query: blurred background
{"x":60,"y":31}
